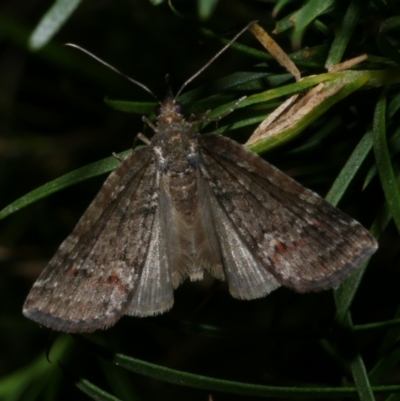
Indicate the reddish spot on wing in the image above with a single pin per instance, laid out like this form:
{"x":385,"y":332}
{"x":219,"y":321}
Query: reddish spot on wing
{"x":71,"y":271}
{"x":318,"y":223}
{"x":112,"y":281}
{"x":280,"y":247}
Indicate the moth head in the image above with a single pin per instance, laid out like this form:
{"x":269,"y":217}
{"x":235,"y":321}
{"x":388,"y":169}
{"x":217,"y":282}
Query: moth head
{"x":169,"y":110}
{"x":169,"y":107}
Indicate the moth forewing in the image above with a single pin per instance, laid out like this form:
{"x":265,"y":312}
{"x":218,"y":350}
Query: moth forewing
{"x":302,"y":240}
{"x":90,"y":280}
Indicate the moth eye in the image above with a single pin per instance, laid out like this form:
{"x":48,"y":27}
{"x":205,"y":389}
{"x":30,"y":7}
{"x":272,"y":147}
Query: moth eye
{"x":157,"y":110}
{"x":179,"y":108}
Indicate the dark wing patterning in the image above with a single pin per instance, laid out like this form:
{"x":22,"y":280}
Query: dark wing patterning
{"x":90,"y":281}
{"x":300,"y":239}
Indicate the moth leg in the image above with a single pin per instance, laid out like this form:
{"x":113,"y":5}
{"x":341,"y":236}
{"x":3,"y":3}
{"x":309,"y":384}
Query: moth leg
{"x":149,"y":123}
{"x":119,"y":158}
{"x":143,"y":138}
{"x":193,"y":117}
{"x":140,"y":137}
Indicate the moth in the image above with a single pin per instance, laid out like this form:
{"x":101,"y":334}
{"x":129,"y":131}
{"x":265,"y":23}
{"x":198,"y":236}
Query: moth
{"x":184,"y":204}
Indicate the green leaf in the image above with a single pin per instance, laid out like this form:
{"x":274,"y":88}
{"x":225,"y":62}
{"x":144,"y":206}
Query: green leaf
{"x":55,"y":54}
{"x":344,"y":32}
{"x":392,"y":323}
{"x":206,"y":8}
{"x":345,"y":294}
{"x":301,"y":18}
{"x":383,"y":161}
{"x":226,"y":386}
{"x":292,"y":131}
{"x":142,"y":108}
{"x":74,"y":177}
{"x":350,"y":169}
{"x":94,"y":392}
{"x":385,"y":45}
{"x":120,"y":381}
{"x":15,"y":384}
{"x":393,"y":397}
{"x":52,"y":22}
{"x":222,"y":85}
{"x":360,"y":377}
{"x":386,"y":365}
{"x":279,"y":6}
{"x":312,"y":10}
{"x":388,"y":357}
{"x":394,"y":139}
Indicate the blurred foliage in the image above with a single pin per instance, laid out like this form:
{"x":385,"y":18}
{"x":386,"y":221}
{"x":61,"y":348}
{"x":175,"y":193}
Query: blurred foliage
{"x":54,"y":121}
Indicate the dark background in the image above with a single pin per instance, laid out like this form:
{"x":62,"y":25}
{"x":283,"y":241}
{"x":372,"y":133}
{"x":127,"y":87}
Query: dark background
{"x":53,"y":120}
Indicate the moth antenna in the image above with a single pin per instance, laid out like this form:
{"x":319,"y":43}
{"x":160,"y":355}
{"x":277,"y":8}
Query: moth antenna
{"x":112,"y":68}
{"x":213,"y":58}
